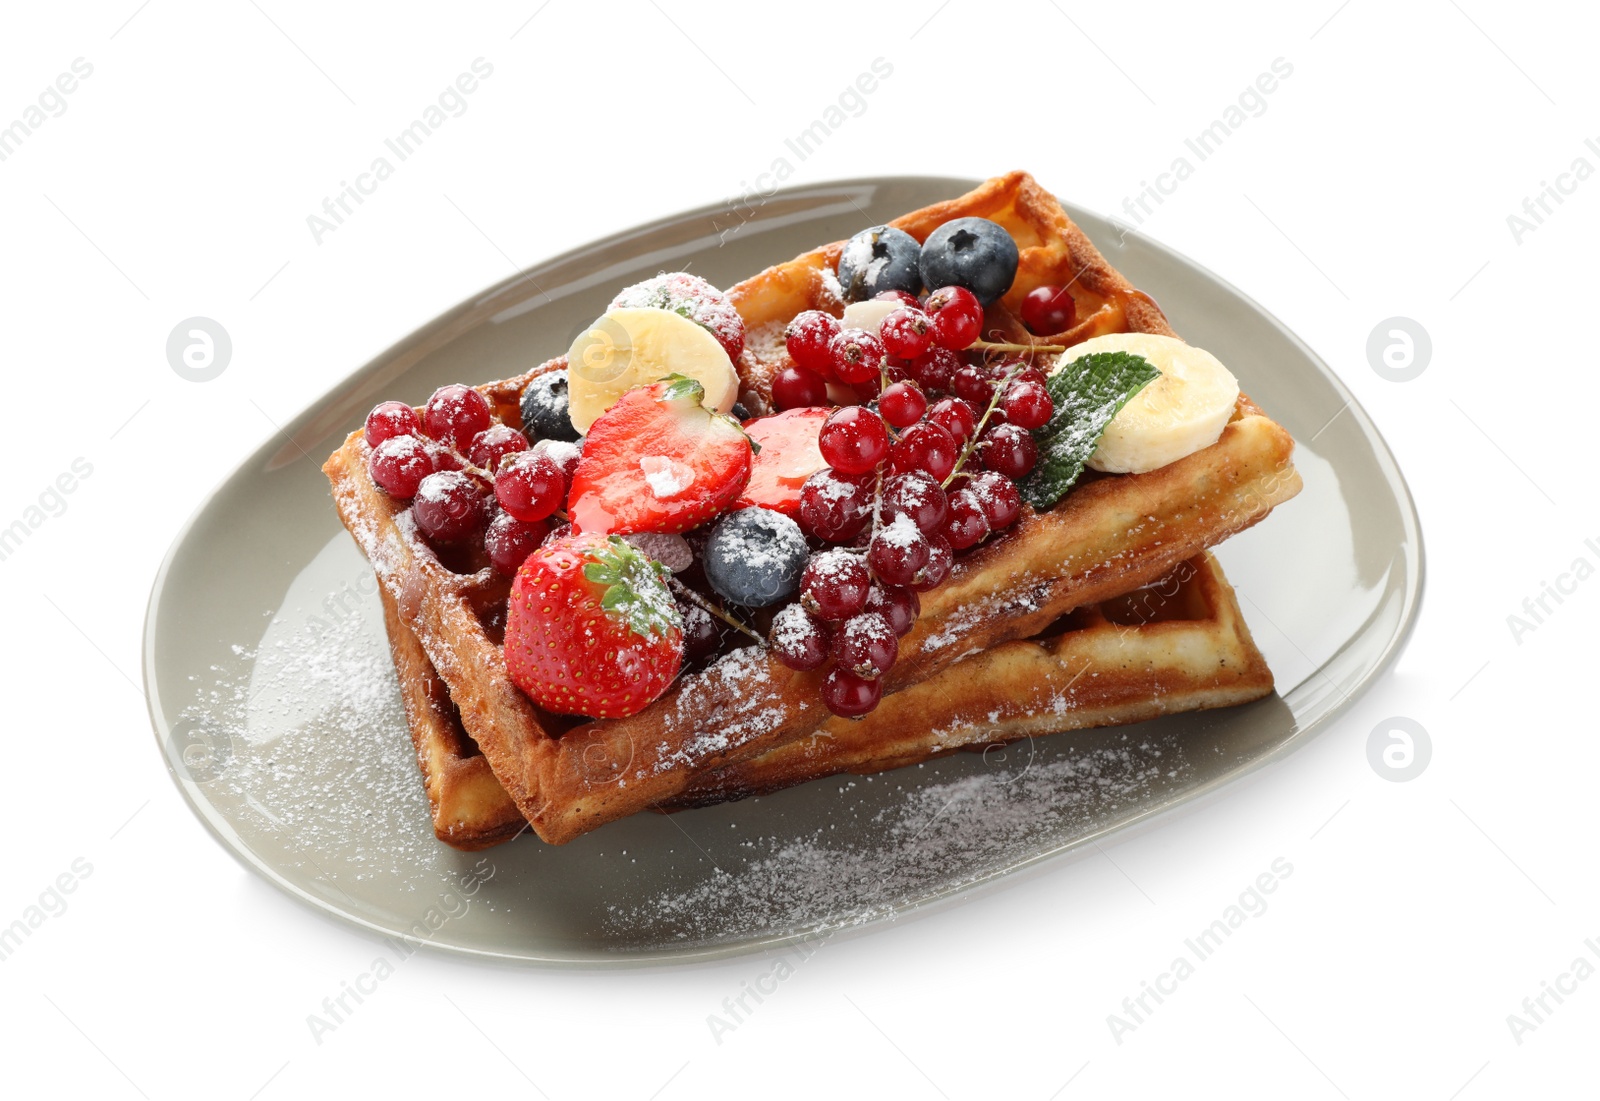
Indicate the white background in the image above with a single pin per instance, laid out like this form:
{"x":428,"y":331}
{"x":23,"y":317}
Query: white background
{"x":1377,"y":183}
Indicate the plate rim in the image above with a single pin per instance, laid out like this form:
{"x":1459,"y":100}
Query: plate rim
{"x":1413,"y":590}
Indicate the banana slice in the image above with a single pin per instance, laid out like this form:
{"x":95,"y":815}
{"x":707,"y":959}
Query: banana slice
{"x":868,"y":315}
{"x":1176,"y":415}
{"x":631,"y":347}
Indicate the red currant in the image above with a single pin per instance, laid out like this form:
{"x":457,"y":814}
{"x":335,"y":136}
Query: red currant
{"x":1027,"y":405}
{"x":998,"y":497}
{"x":1049,"y":309}
{"x":857,"y":355}
{"x":798,"y":639}
{"x":835,"y":507}
{"x":808,"y":340}
{"x":940,"y":560}
{"x":967,"y":524}
{"x":853,"y":440}
{"x":1009,"y":450}
{"x":1030,"y":374}
{"x":702,"y":635}
{"x":957,"y":317}
{"x":566,"y":455}
{"x":905,"y":298}
{"x":795,"y":387}
{"x":455,"y":414}
{"x":835,"y":585}
{"x":848,"y":695}
{"x":449,"y":506}
{"x":956,"y":417}
{"x":918,"y":496}
{"x":902,"y":404}
{"x":388,"y":419}
{"x":906,"y":333}
{"x":898,"y":605}
{"x":926,"y":447}
{"x":509,"y":541}
{"x":399,"y":464}
{"x":898,"y":552}
{"x":493,"y":444}
{"x":935,"y":368}
{"x":444,"y":456}
{"x":866,"y":645}
{"x":973,"y":385}
{"x":530,"y":486}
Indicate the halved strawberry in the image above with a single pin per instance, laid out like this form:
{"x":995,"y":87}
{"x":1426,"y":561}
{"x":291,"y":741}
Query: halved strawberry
{"x":591,"y":628}
{"x":658,"y":460}
{"x":788,"y":456}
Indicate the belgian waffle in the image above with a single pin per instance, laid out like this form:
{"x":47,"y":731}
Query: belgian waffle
{"x":1109,"y":536}
{"x":1177,"y":645}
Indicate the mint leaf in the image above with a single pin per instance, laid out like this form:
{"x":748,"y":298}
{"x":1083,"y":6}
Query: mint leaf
{"x":1087,"y":393}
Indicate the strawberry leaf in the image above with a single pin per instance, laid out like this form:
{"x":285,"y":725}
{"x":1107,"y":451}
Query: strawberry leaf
{"x":635,"y":588}
{"x":682,"y":388}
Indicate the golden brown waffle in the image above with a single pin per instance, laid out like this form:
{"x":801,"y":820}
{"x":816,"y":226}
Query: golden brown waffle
{"x":470,"y":808}
{"x":1110,"y":535}
{"x":1178,"y":645}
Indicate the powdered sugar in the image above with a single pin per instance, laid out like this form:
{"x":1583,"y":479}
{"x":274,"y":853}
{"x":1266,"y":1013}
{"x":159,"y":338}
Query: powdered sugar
{"x":876,"y":845}
{"x":665,"y":476}
{"x":791,"y":627}
{"x":304,"y":735}
{"x":901,"y":532}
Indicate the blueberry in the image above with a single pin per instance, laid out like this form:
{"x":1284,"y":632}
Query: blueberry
{"x":739,"y":412}
{"x":877,"y":260}
{"x":755,"y":557}
{"x":544,"y":409}
{"x":974,"y":253}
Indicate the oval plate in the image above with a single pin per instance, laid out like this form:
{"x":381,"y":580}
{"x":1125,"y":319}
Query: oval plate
{"x":275,"y":703}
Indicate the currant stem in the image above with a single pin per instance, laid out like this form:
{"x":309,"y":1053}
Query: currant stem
{"x":680,"y":589}
{"x":977,"y":431}
{"x":1000,"y":346}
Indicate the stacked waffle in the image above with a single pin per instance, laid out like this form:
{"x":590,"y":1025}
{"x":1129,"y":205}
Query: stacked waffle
{"x":1102,"y":609}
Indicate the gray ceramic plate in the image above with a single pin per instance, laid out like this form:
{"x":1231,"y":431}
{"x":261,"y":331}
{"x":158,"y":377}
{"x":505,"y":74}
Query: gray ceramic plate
{"x":273,"y":700}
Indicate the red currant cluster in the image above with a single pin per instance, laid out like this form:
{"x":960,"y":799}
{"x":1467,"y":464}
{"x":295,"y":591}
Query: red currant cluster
{"x":897,"y":497}
{"x":467,"y":474}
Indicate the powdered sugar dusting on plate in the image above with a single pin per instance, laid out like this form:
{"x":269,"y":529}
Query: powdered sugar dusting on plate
{"x":305,"y":732}
{"x":927,"y":836}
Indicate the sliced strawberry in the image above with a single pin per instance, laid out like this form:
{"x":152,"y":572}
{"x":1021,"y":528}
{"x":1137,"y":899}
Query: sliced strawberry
{"x":788,"y":456}
{"x":591,"y":628}
{"x":658,"y":460}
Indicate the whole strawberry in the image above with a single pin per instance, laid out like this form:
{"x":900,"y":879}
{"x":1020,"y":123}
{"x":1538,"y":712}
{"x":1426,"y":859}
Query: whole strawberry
{"x":591,"y":628}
